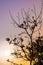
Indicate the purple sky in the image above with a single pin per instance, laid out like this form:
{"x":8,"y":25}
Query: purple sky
{"x":6,"y":28}
{"x":15,"y":6}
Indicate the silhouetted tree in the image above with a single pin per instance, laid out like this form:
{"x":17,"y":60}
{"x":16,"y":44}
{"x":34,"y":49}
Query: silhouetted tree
{"x":39,"y":49}
{"x":33,"y":48}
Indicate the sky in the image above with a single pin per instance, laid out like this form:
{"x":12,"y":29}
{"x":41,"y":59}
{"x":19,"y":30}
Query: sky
{"x":6,"y":27}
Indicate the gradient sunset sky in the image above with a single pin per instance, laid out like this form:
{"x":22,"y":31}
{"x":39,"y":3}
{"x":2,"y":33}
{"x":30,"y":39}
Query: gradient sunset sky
{"x":6,"y":27}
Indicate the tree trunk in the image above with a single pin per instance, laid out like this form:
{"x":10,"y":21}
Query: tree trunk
{"x":31,"y":62}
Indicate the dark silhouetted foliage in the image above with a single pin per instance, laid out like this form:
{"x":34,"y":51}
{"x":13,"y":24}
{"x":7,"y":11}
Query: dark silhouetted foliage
{"x":34,"y":48}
